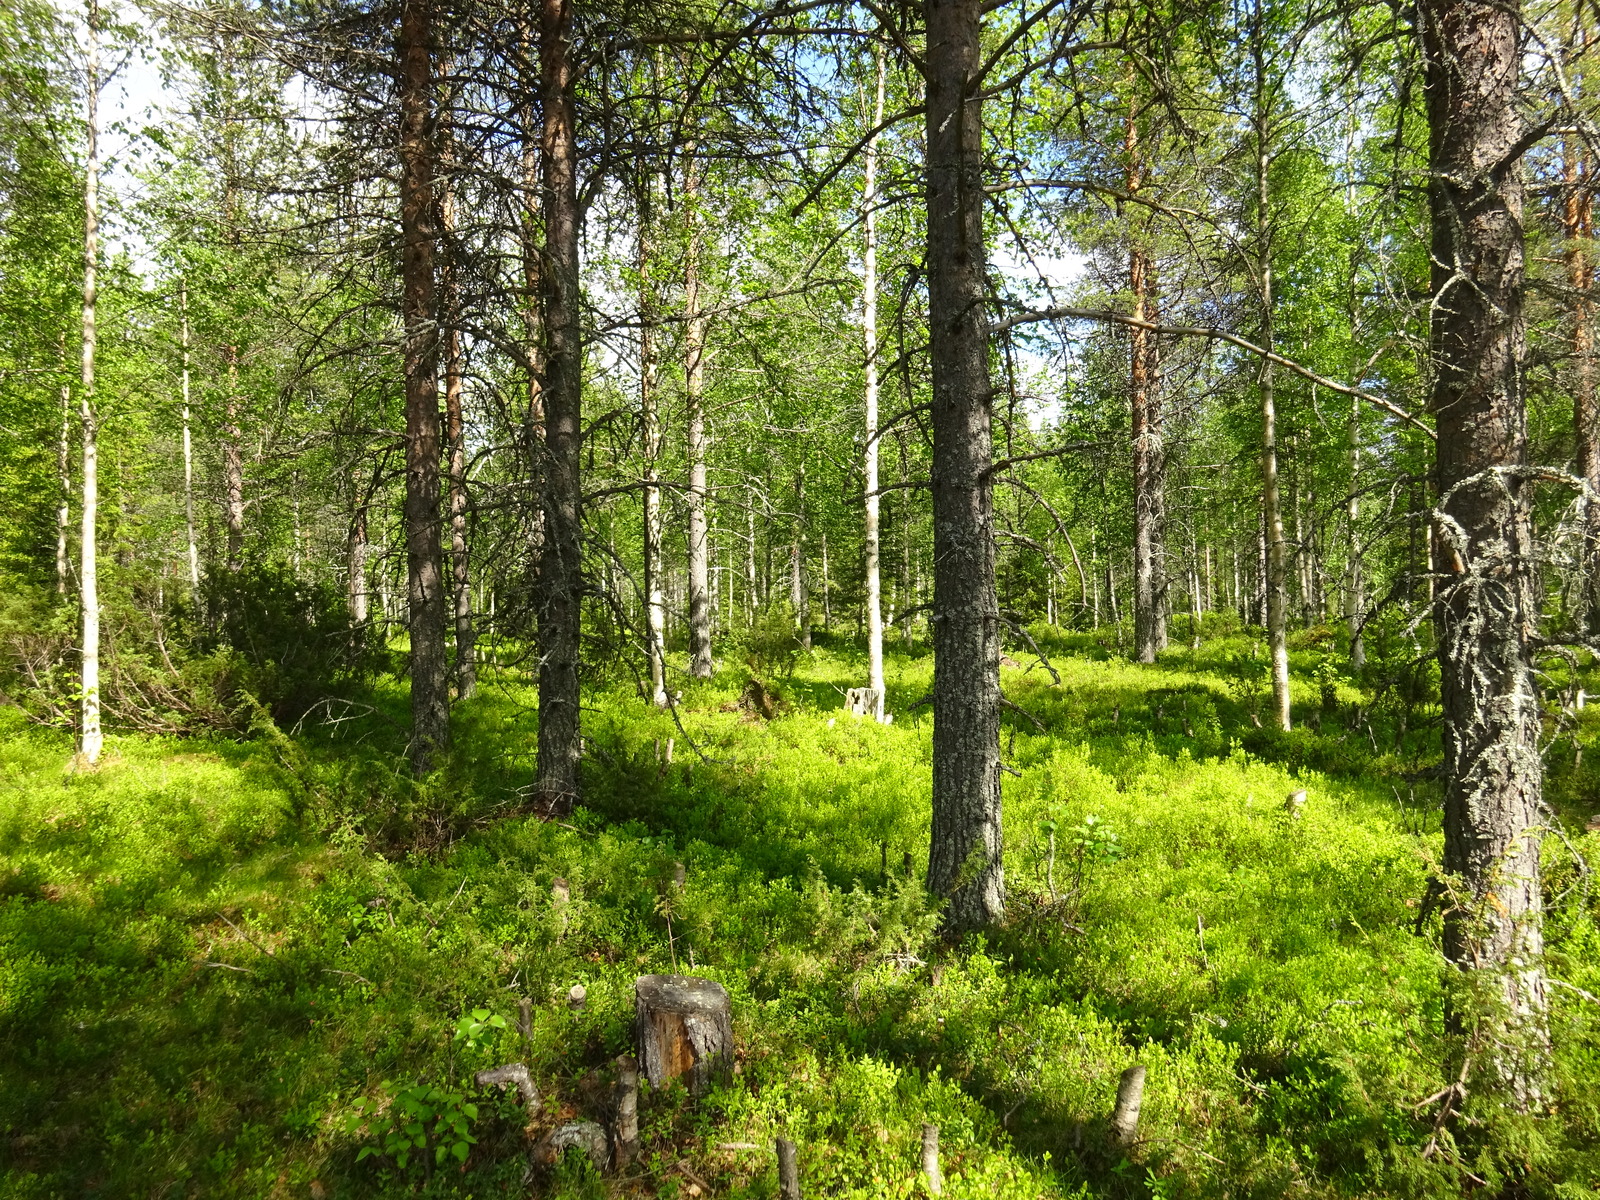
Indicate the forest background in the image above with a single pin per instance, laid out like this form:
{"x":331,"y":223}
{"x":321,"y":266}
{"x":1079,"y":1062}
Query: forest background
{"x":494,"y":494}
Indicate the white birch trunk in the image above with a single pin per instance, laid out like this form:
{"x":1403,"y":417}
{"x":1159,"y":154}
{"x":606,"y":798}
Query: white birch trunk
{"x":90,"y":740}
{"x":869,"y":333}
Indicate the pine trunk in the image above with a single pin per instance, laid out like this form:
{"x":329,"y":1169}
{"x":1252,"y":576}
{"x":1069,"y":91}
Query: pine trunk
{"x":1578,"y":228}
{"x":430,"y":704}
{"x":964,"y":861}
{"x":561,"y":568}
{"x":1488,"y":601}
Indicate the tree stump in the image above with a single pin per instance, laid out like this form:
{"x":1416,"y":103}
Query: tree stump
{"x":682,"y":1026}
{"x":788,"y":1171}
{"x":862,"y":702}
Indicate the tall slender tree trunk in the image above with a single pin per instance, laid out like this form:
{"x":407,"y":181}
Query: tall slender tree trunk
{"x":650,"y":419}
{"x":64,"y":479}
{"x":869,"y":337}
{"x":964,"y":861}
{"x":1277,"y":558}
{"x":456,"y":441}
{"x":356,"y":563}
{"x":188,"y":449}
{"x":1149,"y":457}
{"x":233,"y":462}
{"x":799,"y":583}
{"x":701,"y":664}
{"x":90,"y":740}
{"x":1488,"y":604}
{"x":531,"y":133}
{"x":561,"y":568}
{"x":1578,"y":227}
{"x":430,"y":703}
{"x":1354,"y":598}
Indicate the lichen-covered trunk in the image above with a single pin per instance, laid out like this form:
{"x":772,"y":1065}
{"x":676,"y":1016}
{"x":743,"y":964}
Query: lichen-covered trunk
{"x":1487,"y":605}
{"x":430,"y":702}
{"x":561,"y":568}
{"x":964,"y":861}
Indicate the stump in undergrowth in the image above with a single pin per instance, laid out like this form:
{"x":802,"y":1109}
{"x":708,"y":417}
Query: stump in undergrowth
{"x":584,"y":1136}
{"x":863,"y":702}
{"x":760,"y":699}
{"x":682,"y":1027}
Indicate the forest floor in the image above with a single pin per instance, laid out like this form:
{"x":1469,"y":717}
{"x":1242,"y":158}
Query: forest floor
{"x":211,"y":950}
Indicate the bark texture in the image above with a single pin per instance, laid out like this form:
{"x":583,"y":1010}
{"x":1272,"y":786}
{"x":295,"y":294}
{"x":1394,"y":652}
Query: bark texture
{"x":560,"y":570}
{"x":701,"y":665}
{"x":650,"y":419}
{"x":1577,"y":220}
{"x":430,"y":703}
{"x":869,"y":333}
{"x":1487,"y":604}
{"x":964,"y":865}
{"x":90,"y":739}
{"x":1276,"y":579}
{"x":682,"y":1027}
{"x":1149,"y":456}
{"x":455,"y":434}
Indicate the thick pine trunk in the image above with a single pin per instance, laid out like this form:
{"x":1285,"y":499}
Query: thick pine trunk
{"x":701,"y":665}
{"x":964,"y":861}
{"x":1488,"y":603}
{"x":430,"y":704}
{"x":869,"y":335}
{"x":90,"y":740}
{"x":1149,"y":485}
{"x":561,"y":568}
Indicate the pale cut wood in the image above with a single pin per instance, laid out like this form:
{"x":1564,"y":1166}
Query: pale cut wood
{"x":1130,"y":1096}
{"x":512,"y":1075}
{"x":683,"y":1027}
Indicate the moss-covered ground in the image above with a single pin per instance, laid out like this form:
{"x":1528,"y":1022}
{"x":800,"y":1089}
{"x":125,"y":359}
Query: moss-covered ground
{"x":210,"y":951}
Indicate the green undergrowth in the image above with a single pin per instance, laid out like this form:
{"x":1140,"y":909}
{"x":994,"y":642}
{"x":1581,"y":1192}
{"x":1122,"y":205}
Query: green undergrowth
{"x":227,"y":969}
